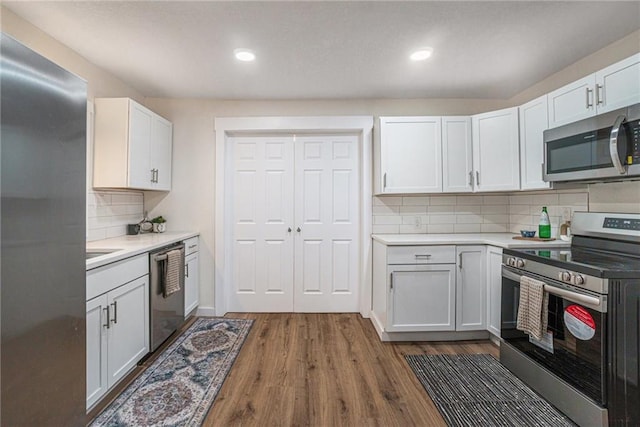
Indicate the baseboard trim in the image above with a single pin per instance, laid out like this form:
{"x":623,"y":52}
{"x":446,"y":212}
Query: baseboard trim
{"x":206,"y":312}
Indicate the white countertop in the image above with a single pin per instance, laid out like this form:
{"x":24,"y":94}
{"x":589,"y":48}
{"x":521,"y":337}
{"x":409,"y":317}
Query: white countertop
{"x":128,"y":246}
{"x":503,"y":240}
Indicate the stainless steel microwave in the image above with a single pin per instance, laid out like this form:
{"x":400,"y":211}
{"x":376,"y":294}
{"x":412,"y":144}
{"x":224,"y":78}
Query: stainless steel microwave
{"x":603,"y":147}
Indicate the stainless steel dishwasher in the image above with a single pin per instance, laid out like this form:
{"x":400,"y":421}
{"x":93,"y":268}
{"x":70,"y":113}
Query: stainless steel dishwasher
{"x":167,"y":313}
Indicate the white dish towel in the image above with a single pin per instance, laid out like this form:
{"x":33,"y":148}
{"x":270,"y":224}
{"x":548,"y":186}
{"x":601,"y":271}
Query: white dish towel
{"x":533,"y":307}
{"x":172,"y":272}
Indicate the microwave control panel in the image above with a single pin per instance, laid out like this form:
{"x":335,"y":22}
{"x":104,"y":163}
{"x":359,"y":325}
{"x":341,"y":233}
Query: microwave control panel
{"x":634,"y":130}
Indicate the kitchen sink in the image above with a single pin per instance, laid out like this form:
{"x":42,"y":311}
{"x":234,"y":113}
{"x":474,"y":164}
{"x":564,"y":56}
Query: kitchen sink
{"x":93,"y":253}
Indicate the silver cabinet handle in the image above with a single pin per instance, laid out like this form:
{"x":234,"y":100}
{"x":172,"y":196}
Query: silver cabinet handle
{"x":384,"y":181}
{"x":477,"y":178}
{"x":192,"y":246}
{"x":115,"y":311}
{"x":298,"y":229}
{"x":157,"y":175}
{"x":460,"y":260}
{"x":423,"y":256}
{"x":186,"y":270}
{"x":391,"y":281}
{"x":599,"y":99}
{"x":108,"y":317}
{"x":470,"y":179}
{"x":613,"y":144}
{"x":153,"y":175}
{"x":589,"y":103}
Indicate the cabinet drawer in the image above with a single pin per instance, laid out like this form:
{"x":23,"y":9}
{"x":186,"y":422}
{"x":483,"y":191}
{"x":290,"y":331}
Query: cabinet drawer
{"x":421,"y":255}
{"x":191,"y":245}
{"x":105,"y":278}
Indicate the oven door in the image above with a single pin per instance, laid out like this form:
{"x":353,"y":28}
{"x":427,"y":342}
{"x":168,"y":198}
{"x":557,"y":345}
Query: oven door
{"x":574,"y":348}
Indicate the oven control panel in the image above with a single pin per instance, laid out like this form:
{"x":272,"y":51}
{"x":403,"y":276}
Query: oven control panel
{"x":516,"y":262}
{"x":571,"y":277}
{"x":622,"y":223}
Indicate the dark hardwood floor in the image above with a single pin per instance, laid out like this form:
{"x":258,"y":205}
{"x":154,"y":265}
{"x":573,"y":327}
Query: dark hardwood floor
{"x":327,"y":370}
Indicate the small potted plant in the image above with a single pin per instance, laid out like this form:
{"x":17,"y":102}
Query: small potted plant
{"x":159,"y":224}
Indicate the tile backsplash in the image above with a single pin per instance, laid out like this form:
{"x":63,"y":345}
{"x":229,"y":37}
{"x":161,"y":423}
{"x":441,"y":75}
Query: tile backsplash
{"x":473,"y":213}
{"x":109,"y":212}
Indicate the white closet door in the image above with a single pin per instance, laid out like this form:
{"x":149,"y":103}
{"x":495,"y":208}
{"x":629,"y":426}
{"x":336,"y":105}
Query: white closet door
{"x":326,"y":255}
{"x":262,"y":200}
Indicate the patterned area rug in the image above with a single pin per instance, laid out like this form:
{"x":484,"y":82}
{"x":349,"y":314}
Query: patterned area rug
{"x":473,"y":390}
{"x":180,"y":386}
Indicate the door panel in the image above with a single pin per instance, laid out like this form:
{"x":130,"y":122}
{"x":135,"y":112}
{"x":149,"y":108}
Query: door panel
{"x":139,"y":146}
{"x":280,"y":185}
{"x":262,"y":189}
{"x":327,"y":190}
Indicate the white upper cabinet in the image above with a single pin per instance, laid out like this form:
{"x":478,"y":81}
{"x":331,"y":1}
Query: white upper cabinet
{"x":618,"y":85}
{"x":533,"y":122}
{"x":496,"y":162}
{"x":132,"y":146}
{"x":457,"y":158}
{"x":614,"y":87}
{"x":410,"y":155}
{"x":572,"y":102}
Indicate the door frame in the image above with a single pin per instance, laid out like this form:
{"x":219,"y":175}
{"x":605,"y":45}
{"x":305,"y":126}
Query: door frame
{"x":225,"y":127}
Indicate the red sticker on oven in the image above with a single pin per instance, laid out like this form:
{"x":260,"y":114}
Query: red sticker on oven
{"x":579,"y":322}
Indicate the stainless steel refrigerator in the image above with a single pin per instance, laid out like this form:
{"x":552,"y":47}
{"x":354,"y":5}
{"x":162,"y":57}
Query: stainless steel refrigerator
{"x":42,"y":215}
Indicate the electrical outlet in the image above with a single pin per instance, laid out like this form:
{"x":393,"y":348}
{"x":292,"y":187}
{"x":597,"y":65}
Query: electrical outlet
{"x":417,"y":222}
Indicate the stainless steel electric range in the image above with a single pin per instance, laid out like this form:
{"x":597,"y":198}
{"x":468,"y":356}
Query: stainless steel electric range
{"x":587,"y":364}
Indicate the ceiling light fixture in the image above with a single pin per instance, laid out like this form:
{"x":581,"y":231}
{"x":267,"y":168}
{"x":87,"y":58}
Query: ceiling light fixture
{"x":421,"y":54}
{"x":245,"y":55}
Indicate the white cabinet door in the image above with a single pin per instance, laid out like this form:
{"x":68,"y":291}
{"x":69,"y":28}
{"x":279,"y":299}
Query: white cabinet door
{"x":132,"y":146}
{"x":191,"y":281}
{"x":161,"y":142}
{"x":129,"y":327}
{"x":618,"y":85}
{"x":471,"y":313}
{"x":140,"y":170}
{"x":96,"y":349}
{"x":533,"y":122}
{"x":495,"y":150}
{"x":573,"y":102}
{"x":457,"y":158}
{"x":326,"y":224}
{"x":421,"y":298}
{"x":494,"y":288}
{"x":410,"y":158}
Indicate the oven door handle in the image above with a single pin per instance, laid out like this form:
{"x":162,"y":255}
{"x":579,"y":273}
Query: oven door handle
{"x":573,"y":296}
{"x":592,"y":302}
{"x":613,"y":144}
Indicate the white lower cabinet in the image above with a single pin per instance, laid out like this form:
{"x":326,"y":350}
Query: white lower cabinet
{"x":191,"y":283}
{"x":494,"y":288}
{"x":117,"y":326}
{"x":422,"y":298}
{"x":429,"y":288}
{"x":470,"y":289}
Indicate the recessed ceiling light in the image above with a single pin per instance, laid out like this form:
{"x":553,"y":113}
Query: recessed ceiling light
{"x":245,"y":55}
{"x":421,"y":54}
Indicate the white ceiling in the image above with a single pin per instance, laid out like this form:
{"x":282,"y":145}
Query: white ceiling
{"x":333,"y":49}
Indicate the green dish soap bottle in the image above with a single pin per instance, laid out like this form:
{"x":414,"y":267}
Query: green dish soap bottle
{"x":544,"y":228}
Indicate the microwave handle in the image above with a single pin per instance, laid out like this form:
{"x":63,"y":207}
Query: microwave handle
{"x":613,"y":144}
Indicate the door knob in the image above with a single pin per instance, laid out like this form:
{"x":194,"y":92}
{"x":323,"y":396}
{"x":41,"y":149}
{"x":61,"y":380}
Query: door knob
{"x":289,"y":230}
{"x":298,"y":229}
